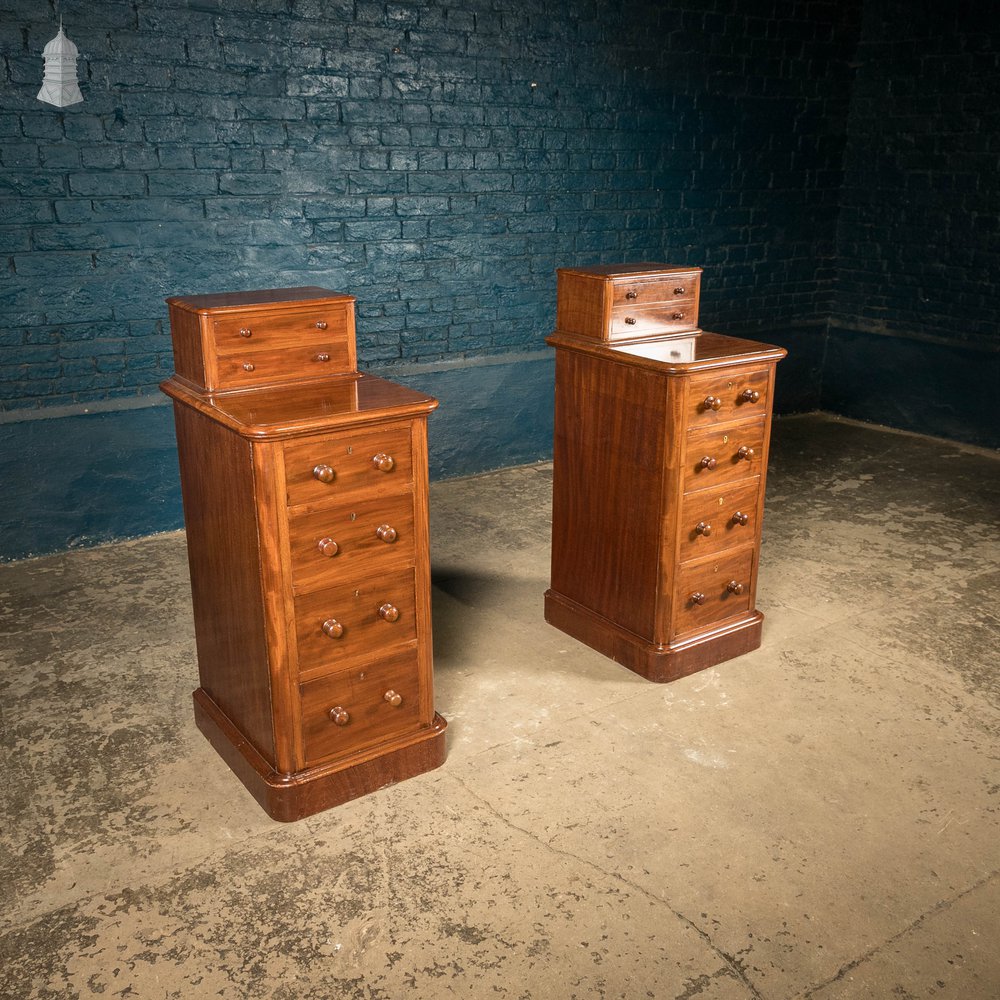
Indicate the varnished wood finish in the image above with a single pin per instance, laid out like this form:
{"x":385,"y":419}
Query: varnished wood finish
{"x":306,"y":509}
{"x":660,"y":456}
{"x":293,"y":796}
{"x":224,"y":558}
{"x":241,"y":339}
{"x":622,"y":302}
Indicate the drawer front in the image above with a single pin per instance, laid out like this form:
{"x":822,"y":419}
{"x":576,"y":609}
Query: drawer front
{"x":723,"y":454}
{"x":271,"y":367}
{"x":715,"y":398}
{"x":712,"y":590}
{"x":323,"y":467}
{"x":642,"y":291}
{"x":360,"y":706}
{"x":366,"y":536}
{"x":316,"y":327}
{"x":716,"y":519}
{"x":356,"y":618}
{"x":664,"y":317}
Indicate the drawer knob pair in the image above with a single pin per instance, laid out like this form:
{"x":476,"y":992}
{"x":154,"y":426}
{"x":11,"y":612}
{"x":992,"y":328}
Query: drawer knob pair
{"x":388,"y":612}
{"x":324,"y":473}
{"x":386,"y":532}
{"x":708,"y":462}
{"x":740,"y":518}
{"x":733,"y":587}
{"x":677,"y":315}
{"x":745,"y":453}
{"x":679,"y":290}
{"x":750,"y":396}
{"x":712,"y":403}
{"x":383,"y":462}
{"x":339,"y":715}
{"x":703,"y":528}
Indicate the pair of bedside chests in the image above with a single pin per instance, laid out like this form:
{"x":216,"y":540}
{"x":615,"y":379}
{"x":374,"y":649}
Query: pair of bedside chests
{"x":305,"y":503}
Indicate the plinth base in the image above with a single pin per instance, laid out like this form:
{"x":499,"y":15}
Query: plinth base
{"x":287,"y":797}
{"x":684,"y":656}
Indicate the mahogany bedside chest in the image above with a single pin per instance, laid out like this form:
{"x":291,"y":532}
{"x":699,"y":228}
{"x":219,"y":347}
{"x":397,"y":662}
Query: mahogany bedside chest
{"x":305,"y":503}
{"x":660,"y":460}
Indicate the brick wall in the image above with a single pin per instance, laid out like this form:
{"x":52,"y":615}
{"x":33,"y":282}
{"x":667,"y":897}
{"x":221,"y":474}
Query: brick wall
{"x":439,"y":160}
{"x":919,"y":230}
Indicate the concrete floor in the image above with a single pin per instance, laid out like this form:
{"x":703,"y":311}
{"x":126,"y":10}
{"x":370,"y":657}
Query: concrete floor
{"x":819,"y":819}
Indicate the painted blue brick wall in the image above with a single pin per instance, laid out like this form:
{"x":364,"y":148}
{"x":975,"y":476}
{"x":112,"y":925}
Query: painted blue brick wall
{"x":438,"y":159}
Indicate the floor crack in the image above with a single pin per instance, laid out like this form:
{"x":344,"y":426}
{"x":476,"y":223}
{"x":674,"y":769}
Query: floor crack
{"x":730,"y":962}
{"x":938,"y":907}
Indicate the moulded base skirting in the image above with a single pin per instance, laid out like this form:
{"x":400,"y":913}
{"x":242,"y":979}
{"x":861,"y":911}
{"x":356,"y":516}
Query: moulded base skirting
{"x":656,"y":663}
{"x":287,"y":797}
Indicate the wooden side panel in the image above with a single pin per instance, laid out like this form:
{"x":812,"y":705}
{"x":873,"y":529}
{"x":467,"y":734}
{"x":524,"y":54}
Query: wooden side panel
{"x":582,"y":305}
{"x":609,"y":460}
{"x":185,"y":332}
{"x":223,"y":555}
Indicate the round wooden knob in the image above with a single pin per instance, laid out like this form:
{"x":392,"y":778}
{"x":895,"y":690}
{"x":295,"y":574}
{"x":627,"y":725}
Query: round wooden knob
{"x":388,"y":612}
{"x":712,"y":403}
{"x":248,"y":367}
{"x":393,"y":698}
{"x":735,"y":588}
{"x":677,"y":315}
{"x":328,"y":547}
{"x":246,"y":331}
{"x":324,"y":473}
{"x":630,"y":320}
{"x":333,"y":628}
{"x":707,"y":462}
{"x":386,"y":532}
{"x":750,"y":396}
{"x":745,"y":453}
{"x":339,"y":716}
{"x":631,"y":295}
{"x":679,"y":290}
{"x":322,"y":357}
{"x":702,"y":528}
{"x":383,"y":462}
{"x":697,"y":597}
{"x":740,"y":518}
{"x":321,"y":325}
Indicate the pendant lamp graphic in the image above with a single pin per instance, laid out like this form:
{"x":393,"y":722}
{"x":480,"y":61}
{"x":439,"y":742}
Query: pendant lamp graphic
{"x":59,"y":84}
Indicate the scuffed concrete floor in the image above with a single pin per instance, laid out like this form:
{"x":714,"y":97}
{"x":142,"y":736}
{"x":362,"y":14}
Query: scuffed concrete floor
{"x":818,"y":819}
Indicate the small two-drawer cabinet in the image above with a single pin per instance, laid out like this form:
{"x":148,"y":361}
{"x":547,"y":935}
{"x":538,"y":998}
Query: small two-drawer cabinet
{"x":305,"y":503}
{"x":660,"y":460}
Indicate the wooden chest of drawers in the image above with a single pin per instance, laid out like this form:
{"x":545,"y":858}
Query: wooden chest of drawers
{"x":624,"y":302}
{"x":305,"y":503}
{"x":660,"y":463}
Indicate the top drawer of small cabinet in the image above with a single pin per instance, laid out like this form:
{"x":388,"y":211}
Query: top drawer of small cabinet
{"x":239,"y":340}
{"x":627,"y":302}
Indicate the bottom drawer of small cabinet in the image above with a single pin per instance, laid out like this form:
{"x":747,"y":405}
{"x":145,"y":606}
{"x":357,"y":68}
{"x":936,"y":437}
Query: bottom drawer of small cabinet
{"x":711,"y":590}
{"x":359,"y":707}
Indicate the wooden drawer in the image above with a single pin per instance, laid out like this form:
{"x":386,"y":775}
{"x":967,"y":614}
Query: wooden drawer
{"x":272,"y":367}
{"x":723,"y":454}
{"x":316,"y":326}
{"x":712,"y":590}
{"x":716,"y":519}
{"x":367,"y":535}
{"x":322,"y":468}
{"x":358,"y":617}
{"x":644,"y":291}
{"x":661,"y":318}
{"x":361,"y":706}
{"x":718,"y":397}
